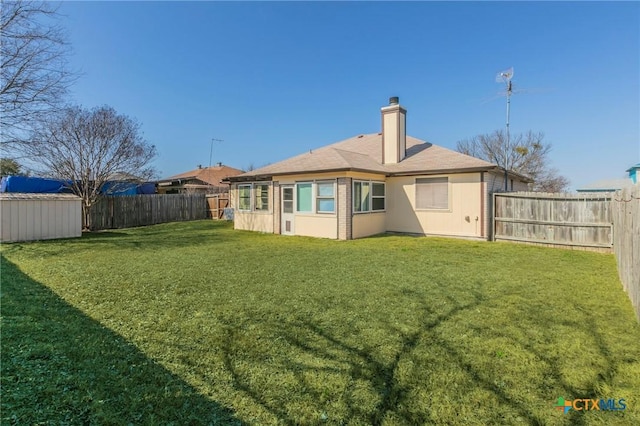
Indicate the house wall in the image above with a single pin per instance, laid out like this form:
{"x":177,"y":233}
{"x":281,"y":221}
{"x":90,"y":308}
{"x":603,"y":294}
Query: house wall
{"x":252,"y":220}
{"x":464,"y":216}
{"x":366,"y":224}
{"x":325,"y":225}
{"x":322,"y":225}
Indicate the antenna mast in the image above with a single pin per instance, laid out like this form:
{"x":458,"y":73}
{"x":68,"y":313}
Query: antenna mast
{"x":505,"y":77}
{"x":211,"y":151}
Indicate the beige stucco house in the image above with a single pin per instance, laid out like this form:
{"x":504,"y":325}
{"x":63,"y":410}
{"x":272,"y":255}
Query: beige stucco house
{"x":370,"y":184}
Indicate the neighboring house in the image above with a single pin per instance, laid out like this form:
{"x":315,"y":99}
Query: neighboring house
{"x":612,"y":185}
{"x":206,"y":180}
{"x":370,"y":184}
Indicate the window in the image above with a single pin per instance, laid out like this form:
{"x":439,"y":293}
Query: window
{"x":287,"y":200}
{"x":325,"y":197}
{"x":377,"y":196}
{"x":304,"y":197}
{"x":360,"y":196}
{"x":261,"y":194}
{"x":432,"y":193}
{"x":260,"y":199}
{"x":244,"y":197}
{"x":368,"y":196}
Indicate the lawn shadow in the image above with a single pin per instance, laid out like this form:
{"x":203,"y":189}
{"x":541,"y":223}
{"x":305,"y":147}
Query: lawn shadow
{"x":60,"y":366}
{"x":317,"y":348}
{"x":362,"y":363}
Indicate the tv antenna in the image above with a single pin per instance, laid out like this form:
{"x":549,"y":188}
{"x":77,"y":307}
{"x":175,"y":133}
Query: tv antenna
{"x":211,"y":151}
{"x":505,"y":77}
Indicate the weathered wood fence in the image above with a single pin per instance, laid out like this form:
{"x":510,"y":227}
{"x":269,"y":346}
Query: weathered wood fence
{"x":129,"y":211}
{"x":216,"y":205}
{"x":625,"y":207}
{"x":580,"y":221}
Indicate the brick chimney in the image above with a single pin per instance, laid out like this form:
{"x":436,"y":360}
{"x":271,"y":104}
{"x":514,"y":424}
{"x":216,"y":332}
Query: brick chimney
{"x":394,"y":132}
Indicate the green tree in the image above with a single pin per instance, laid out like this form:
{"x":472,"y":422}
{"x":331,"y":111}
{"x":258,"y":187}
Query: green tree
{"x":9,"y":167}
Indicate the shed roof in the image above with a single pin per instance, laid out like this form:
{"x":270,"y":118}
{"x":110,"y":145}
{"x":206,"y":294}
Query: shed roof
{"x":35,"y":196}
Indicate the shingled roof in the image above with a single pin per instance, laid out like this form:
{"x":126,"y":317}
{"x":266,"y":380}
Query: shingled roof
{"x":364,"y":153}
{"x":209,"y":175}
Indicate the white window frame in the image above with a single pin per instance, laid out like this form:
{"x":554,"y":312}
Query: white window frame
{"x":370,"y":184}
{"x":297,"y":198}
{"x":245,"y":185}
{"x":315,"y":197}
{"x":319,"y":197}
{"x":384,"y":197}
{"x":433,"y":180}
{"x":254,"y":198}
{"x":252,"y":195}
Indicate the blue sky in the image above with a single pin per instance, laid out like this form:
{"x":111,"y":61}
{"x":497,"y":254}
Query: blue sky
{"x":275,"y":79}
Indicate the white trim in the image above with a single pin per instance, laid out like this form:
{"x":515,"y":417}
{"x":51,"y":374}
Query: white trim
{"x":314,"y":197}
{"x":370,"y":182}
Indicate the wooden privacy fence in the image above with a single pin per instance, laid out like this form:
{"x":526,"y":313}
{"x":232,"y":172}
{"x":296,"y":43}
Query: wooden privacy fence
{"x":216,"y":204}
{"x":129,"y":211}
{"x":625,"y":207}
{"x":581,"y":221}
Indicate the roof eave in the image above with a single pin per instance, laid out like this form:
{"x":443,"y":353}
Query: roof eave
{"x":270,"y":176}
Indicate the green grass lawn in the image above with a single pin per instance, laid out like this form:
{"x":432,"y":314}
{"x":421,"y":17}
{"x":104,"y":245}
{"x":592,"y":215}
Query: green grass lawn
{"x":194,"y":323}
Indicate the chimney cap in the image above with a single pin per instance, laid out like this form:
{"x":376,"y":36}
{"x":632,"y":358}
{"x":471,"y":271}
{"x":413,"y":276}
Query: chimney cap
{"x":394,"y":100}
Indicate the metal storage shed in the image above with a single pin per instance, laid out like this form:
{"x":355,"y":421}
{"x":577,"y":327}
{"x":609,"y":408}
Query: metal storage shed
{"x":28,"y":217}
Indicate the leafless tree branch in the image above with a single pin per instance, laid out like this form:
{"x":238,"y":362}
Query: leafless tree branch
{"x":89,"y":148}
{"x":34,"y":76}
{"x":526,"y":154}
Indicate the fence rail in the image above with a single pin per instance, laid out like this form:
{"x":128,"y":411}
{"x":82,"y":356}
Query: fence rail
{"x":625,"y":206}
{"x":216,"y":204}
{"x":562,"y":220}
{"x":141,"y":210}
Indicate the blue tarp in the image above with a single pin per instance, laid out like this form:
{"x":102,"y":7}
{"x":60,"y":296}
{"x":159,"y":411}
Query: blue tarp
{"x":36,"y":185}
{"x":119,"y":188}
{"x":147,"y":188}
{"x":128,"y":188}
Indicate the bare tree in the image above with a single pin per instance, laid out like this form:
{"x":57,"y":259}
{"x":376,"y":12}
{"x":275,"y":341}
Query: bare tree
{"x":526,"y":154}
{"x":88,"y":148}
{"x":33,"y":62}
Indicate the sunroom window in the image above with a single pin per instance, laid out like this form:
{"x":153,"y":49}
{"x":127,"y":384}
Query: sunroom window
{"x":325,"y":197}
{"x":244,"y":197}
{"x":261,"y":193}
